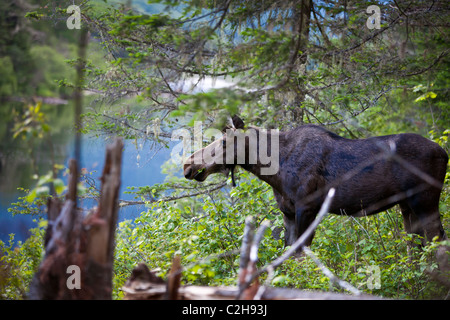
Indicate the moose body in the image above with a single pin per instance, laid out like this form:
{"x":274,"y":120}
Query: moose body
{"x":369,"y":175}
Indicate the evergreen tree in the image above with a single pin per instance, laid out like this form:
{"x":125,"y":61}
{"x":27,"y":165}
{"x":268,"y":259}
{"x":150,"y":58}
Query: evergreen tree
{"x":290,"y":62}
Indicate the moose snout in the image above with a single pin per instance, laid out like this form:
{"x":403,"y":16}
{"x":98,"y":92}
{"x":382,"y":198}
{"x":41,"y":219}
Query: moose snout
{"x":188,"y":172}
{"x":195,"y":172}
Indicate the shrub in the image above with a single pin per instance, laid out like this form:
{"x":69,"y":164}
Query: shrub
{"x":18,"y":263}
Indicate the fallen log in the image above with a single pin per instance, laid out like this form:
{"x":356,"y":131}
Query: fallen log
{"x":145,"y":285}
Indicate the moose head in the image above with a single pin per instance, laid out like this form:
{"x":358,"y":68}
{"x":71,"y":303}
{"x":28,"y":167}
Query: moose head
{"x":237,"y":146}
{"x":213,"y":158}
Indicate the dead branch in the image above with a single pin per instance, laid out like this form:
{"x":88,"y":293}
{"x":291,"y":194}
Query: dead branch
{"x":335,"y":280}
{"x":308,"y":232}
{"x":245,"y":252}
{"x":249,"y":257}
{"x":157,"y":292}
{"x":144,"y":285}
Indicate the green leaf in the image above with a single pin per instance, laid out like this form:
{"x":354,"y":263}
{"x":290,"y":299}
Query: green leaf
{"x":59,"y":186}
{"x":43,"y":190}
{"x":420,"y":98}
{"x":34,"y":15}
{"x":280,"y":280}
{"x":45,"y":179}
{"x":31,"y":196}
{"x":431,"y":95}
{"x":427,"y":95}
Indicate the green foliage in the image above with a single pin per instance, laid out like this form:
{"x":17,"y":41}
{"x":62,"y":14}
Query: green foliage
{"x":52,"y":68}
{"x":363,"y":251}
{"x":32,"y":203}
{"x":33,"y":123}
{"x":355,"y":249}
{"x":208,"y":239}
{"x":329,"y":70}
{"x":19,"y":261}
{"x":43,"y":189}
{"x":8,"y":81}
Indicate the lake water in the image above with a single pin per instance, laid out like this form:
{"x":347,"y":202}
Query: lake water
{"x":141,"y":166}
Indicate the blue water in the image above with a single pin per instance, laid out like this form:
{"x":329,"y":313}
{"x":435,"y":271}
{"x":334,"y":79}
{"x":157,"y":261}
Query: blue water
{"x":141,"y":166}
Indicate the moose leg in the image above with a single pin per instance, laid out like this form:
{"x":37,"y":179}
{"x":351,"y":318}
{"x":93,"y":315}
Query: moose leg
{"x":427,"y":215}
{"x":425,"y":207}
{"x":432,"y":225}
{"x":411,"y":222}
{"x":434,"y":229}
{"x":303,"y":218}
{"x":296,"y":225}
{"x":289,"y":230}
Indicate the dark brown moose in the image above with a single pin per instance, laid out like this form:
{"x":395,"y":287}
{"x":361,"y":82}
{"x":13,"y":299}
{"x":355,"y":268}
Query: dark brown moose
{"x":370,"y":175}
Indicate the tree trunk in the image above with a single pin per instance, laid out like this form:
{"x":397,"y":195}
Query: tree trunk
{"x":303,"y":9}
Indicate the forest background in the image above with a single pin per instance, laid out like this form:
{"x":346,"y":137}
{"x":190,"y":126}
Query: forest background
{"x":156,"y":66}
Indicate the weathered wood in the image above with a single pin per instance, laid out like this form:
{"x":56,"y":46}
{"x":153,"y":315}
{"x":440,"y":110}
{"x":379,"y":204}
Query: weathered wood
{"x":73,"y":181}
{"x":152,"y":291}
{"x":79,"y":250}
{"x":144,"y":281}
{"x":100,"y":245}
{"x":173,"y":283}
{"x":245,"y":253}
{"x":249,"y":285}
{"x":145,"y":285}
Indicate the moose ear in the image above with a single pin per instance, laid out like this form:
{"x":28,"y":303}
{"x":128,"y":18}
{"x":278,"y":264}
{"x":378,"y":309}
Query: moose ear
{"x":237,"y":122}
{"x":234,"y":123}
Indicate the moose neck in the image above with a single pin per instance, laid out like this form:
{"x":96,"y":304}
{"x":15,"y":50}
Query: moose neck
{"x":262,"y":154}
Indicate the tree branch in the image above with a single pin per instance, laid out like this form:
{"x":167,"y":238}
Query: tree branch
{"x":124,"y":203}
{"x":335,"y":280}
{"x":300,"y":243}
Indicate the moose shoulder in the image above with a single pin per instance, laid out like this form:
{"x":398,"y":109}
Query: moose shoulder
{"x":370,"y":175}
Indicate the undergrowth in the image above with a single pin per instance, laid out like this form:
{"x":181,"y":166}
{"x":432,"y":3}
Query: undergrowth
{"x":371,"y":253}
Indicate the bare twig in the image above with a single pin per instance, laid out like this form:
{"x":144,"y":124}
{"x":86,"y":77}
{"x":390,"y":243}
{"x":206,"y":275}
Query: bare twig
{"x":335,"y":280}
{"x":300,"y":241}
{"x":255,"y":244}
{"x":245,"y":252}
{"x":124,"y":203}
{"x":309,"y":231}
{"x":73,"y":181}
{"x":249,"y":257}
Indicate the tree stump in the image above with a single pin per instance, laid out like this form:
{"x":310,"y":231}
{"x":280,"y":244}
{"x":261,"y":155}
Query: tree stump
{"x":79,"y":250}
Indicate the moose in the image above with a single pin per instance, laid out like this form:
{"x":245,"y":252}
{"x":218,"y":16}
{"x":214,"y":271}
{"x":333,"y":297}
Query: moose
{"x":370,"y":175}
